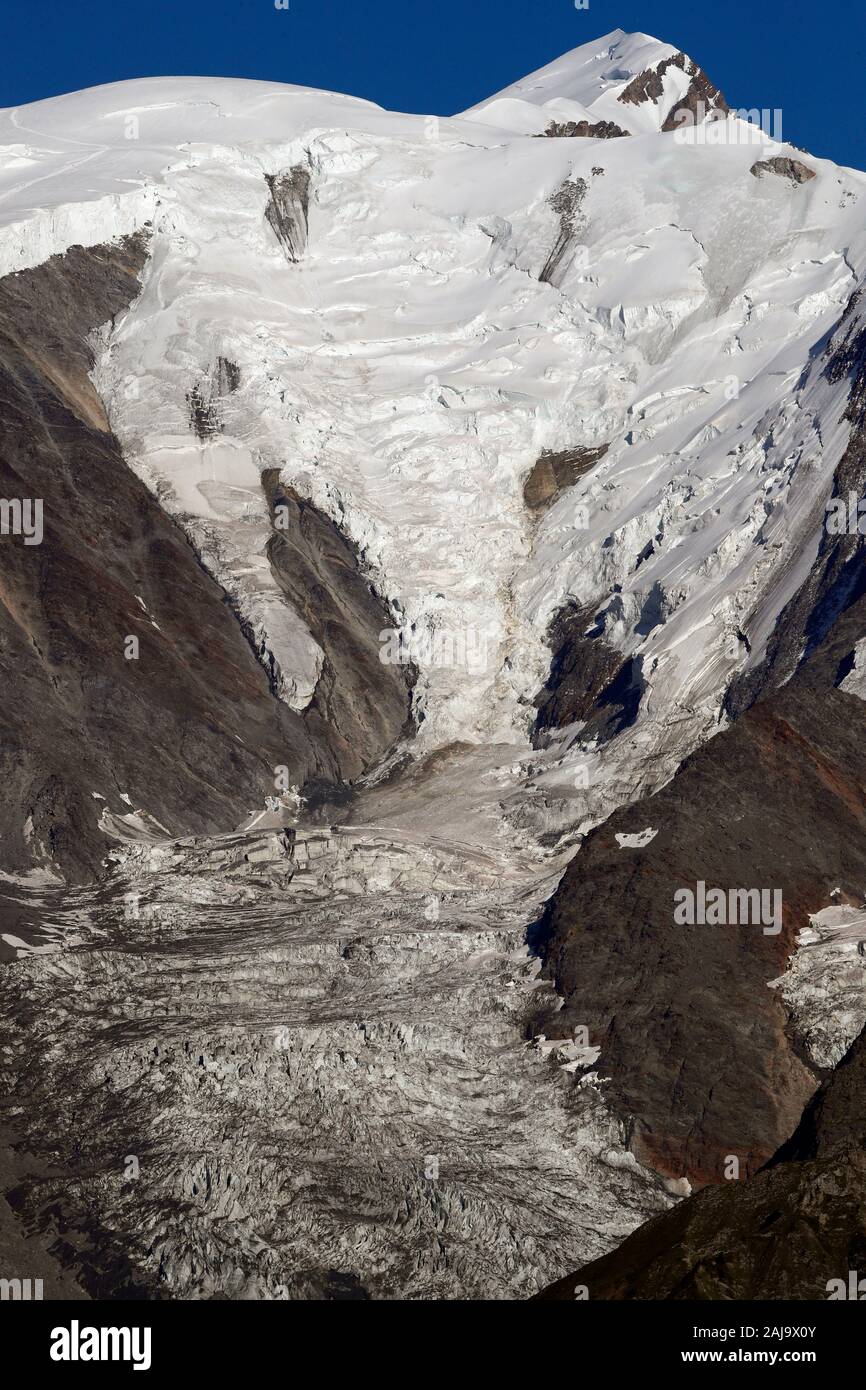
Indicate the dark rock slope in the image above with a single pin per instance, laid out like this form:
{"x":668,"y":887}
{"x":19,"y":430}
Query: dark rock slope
{"x":360,"y":706}
{"x":697,"y":1053}
{"x":566,"y":203}
{"x":189,"y":729}
{"x":695,"y":1046}
{"x":795,"y":1231}
{"x":783,"y":168}
{"x":588,"y":680}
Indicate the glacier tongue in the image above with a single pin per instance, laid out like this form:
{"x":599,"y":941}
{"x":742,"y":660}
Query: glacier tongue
{"x":314,"y":1083}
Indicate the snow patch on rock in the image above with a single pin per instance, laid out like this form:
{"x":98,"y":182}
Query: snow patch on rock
{"x":638,"y":840}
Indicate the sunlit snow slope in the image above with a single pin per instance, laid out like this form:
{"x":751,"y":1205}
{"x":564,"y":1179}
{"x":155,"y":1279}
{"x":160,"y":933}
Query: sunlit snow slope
{"x":402,"y":314}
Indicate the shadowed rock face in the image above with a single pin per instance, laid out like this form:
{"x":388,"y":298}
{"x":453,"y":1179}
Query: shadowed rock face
{"x":360,"y":706}
{"x":702,"y":96}
{"x":698,"y":1049}
{"x":189,"y":730}
{"x":784,"y":1234}
{"x":588,"y":681}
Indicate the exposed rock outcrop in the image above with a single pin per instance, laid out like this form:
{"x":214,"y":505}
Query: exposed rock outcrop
{"x":566,"y":203}
{"x":594,"y":130}
{"x":361,"y":706}
{"x":665,"y":1002}
{"x":180,"y":720}
{"x":589,"y":681}
{"x":288,"y":208}
{"x":702,"y":95}
{"x":553,"y":473}
{"x":204,"y":400}
{"x":783,"y":168}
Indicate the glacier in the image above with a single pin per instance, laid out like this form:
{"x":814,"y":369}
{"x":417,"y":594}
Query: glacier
{"x":399,"y":316}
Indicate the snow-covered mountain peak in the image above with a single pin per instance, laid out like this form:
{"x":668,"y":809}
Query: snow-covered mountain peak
{"x":583,"y":73}
{"x":504,"y":443}
{"x":632,"y":82}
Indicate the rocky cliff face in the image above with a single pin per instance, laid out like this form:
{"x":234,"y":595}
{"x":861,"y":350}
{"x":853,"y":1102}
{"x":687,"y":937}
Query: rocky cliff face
{"x":797,"y":1230}
{"x":698,"y":1051}
{"x":127,"y":678}
{"x":185,"y":722}
{"x":360,"y":705}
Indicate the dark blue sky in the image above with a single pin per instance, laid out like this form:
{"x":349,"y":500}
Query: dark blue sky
{"x":442,"y":55}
